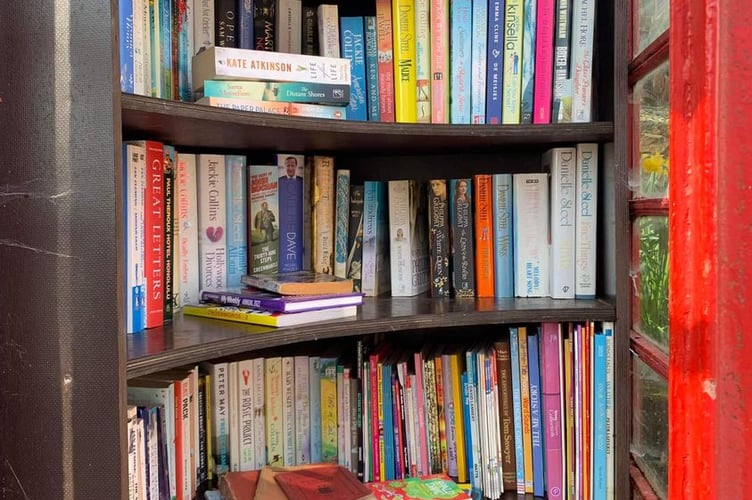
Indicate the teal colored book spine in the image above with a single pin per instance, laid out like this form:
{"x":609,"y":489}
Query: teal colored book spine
{"x":314,"y":384}
{"x":514,"y":354}
{"x":460,"y":61}
{"x":352,"y":41}
{"x":599,"y":417}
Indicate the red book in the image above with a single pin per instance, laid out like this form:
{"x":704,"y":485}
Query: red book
{"x":239,"y":485}
{"x":330,"y":482}
{"x":419,"y":488}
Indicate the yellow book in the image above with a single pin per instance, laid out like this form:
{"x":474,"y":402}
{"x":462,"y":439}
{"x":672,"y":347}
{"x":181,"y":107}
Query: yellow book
{"x":380,"y":400}
{"x":329,"y":410}
{"x":459,"y":432}
{"x":323,"y":197}
{"x":206,"y":381}
{"x":405,"y":83}
{"x":268,"y":318}
{"x":273,"y":403}
{"x":512,"y":81}
{"x":527,"y":434}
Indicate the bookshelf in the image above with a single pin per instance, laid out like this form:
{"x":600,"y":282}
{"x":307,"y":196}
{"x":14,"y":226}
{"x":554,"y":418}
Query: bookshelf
{"x":65,"y":357}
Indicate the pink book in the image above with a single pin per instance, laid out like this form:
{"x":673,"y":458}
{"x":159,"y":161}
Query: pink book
{"x":423,"y":467}
{"x":376,"y":422}
{"x":550,"y":356}
{"x":386,"y":60}
{"x":544,"y":62}
{"x":439,"y":61}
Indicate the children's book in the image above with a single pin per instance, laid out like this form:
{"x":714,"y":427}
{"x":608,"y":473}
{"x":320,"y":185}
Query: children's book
{"x":418,"y":488}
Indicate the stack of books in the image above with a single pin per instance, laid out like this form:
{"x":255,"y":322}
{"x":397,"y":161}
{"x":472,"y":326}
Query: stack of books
{"x":283,"y":299}
{"x":272,"y":82}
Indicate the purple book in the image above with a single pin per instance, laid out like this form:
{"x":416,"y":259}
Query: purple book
{"x":550,"y":356}
{"x":252,"y":298}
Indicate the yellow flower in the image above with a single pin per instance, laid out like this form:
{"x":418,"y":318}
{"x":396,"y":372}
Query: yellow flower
{"x":654,"y":163}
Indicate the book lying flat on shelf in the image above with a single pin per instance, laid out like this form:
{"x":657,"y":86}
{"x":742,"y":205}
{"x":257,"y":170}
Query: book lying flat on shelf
{"x":268,"y":318}
{"x":419,"y":488}
{"x":251,"y":298}
{"x":311,"y":482}
{"x":299,"y":283}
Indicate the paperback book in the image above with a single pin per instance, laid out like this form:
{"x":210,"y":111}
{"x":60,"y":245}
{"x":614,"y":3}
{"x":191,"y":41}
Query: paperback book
{"x":299,"y":283}
{"x":251,"y":298}
{"x":268,"y":318}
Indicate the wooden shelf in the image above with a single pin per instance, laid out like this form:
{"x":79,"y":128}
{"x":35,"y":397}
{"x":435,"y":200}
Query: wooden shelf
{"x":193,"y":125}
{"x":192,"y":339}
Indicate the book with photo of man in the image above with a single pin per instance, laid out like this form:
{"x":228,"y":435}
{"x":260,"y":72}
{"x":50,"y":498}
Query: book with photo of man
{"x":263,"y":235}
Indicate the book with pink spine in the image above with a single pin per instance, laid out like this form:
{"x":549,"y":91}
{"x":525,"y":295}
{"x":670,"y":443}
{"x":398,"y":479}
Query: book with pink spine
{"x":550,"y":356}
{"x":544,"y":62}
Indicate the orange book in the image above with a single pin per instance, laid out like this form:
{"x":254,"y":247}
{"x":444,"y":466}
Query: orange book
{"x":239,"y":485}
{"x":484,"y":261}
{"x":527,"y":432}
{"x":332,"y":482}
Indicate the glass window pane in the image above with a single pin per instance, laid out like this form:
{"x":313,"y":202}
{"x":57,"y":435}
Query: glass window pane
{"x":650,"y":425}
{"x":649,"y":173}
{"x":650,"y":20}
{"x":650,"y":278}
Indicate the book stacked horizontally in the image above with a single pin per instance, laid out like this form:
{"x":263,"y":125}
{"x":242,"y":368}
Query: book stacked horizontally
{"x":272,"y":82}
{"x":278,"y":300}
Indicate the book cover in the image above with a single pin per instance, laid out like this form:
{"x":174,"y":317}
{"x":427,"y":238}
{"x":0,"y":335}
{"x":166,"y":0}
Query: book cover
{"x":263,"y":233}
{"x":212,"y":216}
{"x":461,"y":223}
{"x":323,"y":202}
{"x":376,"y":266}
{"x":506,"y":414}
{"x":502,"y":234}
{"x":329,"y":410}
{"x":311,"y":93}
{"x":289,"y":16}
{"x":531,"y":224}
{"x":512,"y":80}
{"x":251,"y":298}
{"x":408,"y":239}
{"x":168,"y":267}
{"x":439,"y":32}
{"x":544,"y":61}
{"x":341,"y":221}
{"x":264,"y":25}
{"x":494,"y":61}
{"x":372,"y":69}
{"x":423,"y":60}
{"x":268,"y":318}
{"x":290,"y":194}
{"x":561,"y":163}
{"x":385,"y":51}
{"x":403,"y":42}
{"x":418,"y":488}
{"x":355,"y":238}
{"x":273,"y":404}
{"x":237,"y":220}
{"x":328,"y":27}
{"x":276,"y":107}
{"x":322,"y":481}
{"x":484,"y":241}
{"x":460,"y":60}
{"x":308,"y":213}
{"x":478,"y":64}
{"x":586,"y":221}
{"x":224,"y":63}
{"x":528,"y":60}
{"x":299,"y":283}
{"x":310,"y":36}
{"x":438,"y":238}
{"x":225,"y":23}
{"x":352,"y":44}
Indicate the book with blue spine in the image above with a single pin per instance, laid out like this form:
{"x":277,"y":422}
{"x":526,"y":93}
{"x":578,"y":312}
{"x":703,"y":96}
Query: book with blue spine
{"x":528,"y":60}
{"x":154,"y":50}
{"x":536,"y":423}
{"x":460,"y":12}
{"x":478,"y":62}
{"x":290,"y":193}
{"x":376,"y":276}
{"x":353,"y":49}
{"x":313,"y":93}
{"x":245,"y":24}
{"x":388,"y":403}
{"x":514,"y":355}
{"x":494,"y":61}
{"x":125,"y":11}
{"x":341,"y":221}
{"x":184,"y":24}
{"x":599,"y":473}
{"x":372,"y":69}
{"x":503,"y":245}
{"x":237,"y":219}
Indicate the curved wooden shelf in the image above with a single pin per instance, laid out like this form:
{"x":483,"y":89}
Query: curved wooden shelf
{"x":191,"y":339}
{"x":193,"y":125}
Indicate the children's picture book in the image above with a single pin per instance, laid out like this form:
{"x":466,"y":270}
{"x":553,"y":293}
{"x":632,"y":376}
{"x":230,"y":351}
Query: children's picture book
{"x":251,"y":298}
{"x":299,"y":283}
{"x":437,"y":486}
{"x":268,"y":318}
{"x":332,"y":482}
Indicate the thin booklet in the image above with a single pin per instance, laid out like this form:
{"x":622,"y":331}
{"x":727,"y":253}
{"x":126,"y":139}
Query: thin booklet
{"x":252,"y":298}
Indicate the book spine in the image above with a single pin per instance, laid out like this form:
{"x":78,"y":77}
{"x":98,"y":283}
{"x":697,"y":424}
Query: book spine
{"x":353,"y":49}
{"x":277,"y":108}
{"x":342,"y":221}
{"x":289,"y":453}
{"x":608,"y":332}
{"x":528,"y":60}
{"x":561,"y":108}
{"x":323,"y":214}
{"x":438,"y":238}
{"x":399,"y":230}
{"x":535,"y":413}
{"x":308,"y":213}
{"x":343,"y":407}
{"x":187,"y":209}
{"x":264,"y":25}
{"x":599,"y":417}
{"x":385,"y":50}
{"x":432,"y":416}
{"x":478,"y":64}
{"x":544,"y":62}
{"x":314,"y":388}
{"x":263,"y":183}
{"x":374,"y":254}
{"x":168,"y":268}
{"x":511,"y":101}
{"x":245,"y":437}
{"x":154,"y":234}
{"x":475,"y":443}
{"x":519,"y":454}
{"x":527,"y":437}
{"x":550,"y":361}
{"x":259,"y":412}
{"x":135,"y":179}
{"x":531,"y":253}
{"x":184,"y":27}
{"x":310,"y":93}
{"x":329,"y":410}
{"x":219,"y":376}
{"x":372,"y":69}
{"x":212,"y":215}
{"x":165,"y":49}
{"x":439,"y":30}
{"x":203,"y":25}
{"x":310,"y":36}
{"x":423,"y":61}
{"x":273,"y":404}
{"x":583,"y":26}
{"x":288,"y":20}
{"x":459,"y":420}
{"x":561,"y":163}
{"x":125,"y":10}
{"x":302,"y":411}
{"x":202,"y":439}
{"x":484,"y":254}
{"x":460,"y":60}
{"x":403,"y":41}
{"x":328,"y":26}
{"x":225,"y":23}
{"x":145,"y":44}
{"x":355,"y":238}
{"x":421,"y":417}
{"x":376,"y":416}
{"x":567,"y":416}
{"x":461,"y":220}
{"x":237,"y":219}
{"x":506,"y":414}
{"x":449,"y":423}
{"x":503,"y":246}
{"x":137,"y":37}
{"x":233,"y":399}
{"x":586,"y":220}
{"x":245,"y":24}
{"x":441,"y":409}
{"x":290,"y":171}
{"x":495,"y":61}
{"x":154,"y":45}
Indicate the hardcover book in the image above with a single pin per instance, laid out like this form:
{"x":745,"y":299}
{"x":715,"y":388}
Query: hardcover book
{"x":408,"y":239}
{"x":561,"y":163}
{"x":586,"y":219}
{"x":312,"y":93}
{"x":299,"y":283}
{"x":438,"y":238}
{"x":531,"y":225}
{"x":250,"y":298}
{"x":312,"y":482}
{"x":263,"y":232}
{"x":290,"y":171}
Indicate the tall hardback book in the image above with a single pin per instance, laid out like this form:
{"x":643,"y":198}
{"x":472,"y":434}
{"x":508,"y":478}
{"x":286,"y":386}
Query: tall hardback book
{"x":531,"y":225}
{"x":323,"y":203}
{"x":408,"y":239}
{"x":586,"y":220}
{"x":263,"y":231}
{"x":461,"y":219}
{"x":438,"y":239}
{"x":561,"y":163}
{"x":290,"y":193}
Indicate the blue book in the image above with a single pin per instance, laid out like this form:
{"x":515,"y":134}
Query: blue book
{"x":495,"y":61}
{"x":478,"y":62}
{"x":503,"y":234}
{"x":528,"y":60}
{"x":184,"y":54}
{"x":466,"y":427}
{"x":314,"y":388}
{"x":387,"y":401}
{"x":460,"y":13}
{"x":237,"y":220}
{"x":245,"y":24}
{"x":290,"y":193}
{"x":372,"y":70}
{"x":474,"y":443}
{"x":126,"y":46}
{"x":375,"y":269}
{"x":165,"y":49}
{"x":533,"y":366}
{"x":352,"y":46}
{"x":599,"y":417}
{"x":514,"y":355}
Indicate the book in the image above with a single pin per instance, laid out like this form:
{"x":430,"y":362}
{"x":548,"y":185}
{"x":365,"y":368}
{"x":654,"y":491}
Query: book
{"x":212,"y":244}
{"x":341,"y":221}
{"x":438,"y":238}
{"x":561,"y":163}
{"x":385,"y":55}
{"x":289,"y":19}
{"x":263,"y":231}
{"x":268,"y":318}
{"x":322,"y":203}
{"x":403,"y":34}
{"x":236,"y":223}
{"x":239,"y":485}
{"x":290,"y":190}
{"x":333,"y":482}
{"x":250,"y":298}
{"x":418,"y":488}
{"x":531,"y":225}
{"x":355,"y":237}
{"x":352,"y":44}
{"x":328,"y":28}
{"x":586,"y":221}
{"x":264,"y":25}
{"x":314,"y":93}
{"x":461,"y":229}
{"x":276,"y":107}
{"x":299,"y":283}
{"x":408,"y":241}
{"x":460,"y":22}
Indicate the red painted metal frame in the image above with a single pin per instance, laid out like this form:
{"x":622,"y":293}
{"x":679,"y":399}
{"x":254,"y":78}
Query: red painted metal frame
{"x":641,"y":484}
{"x":649,"y":353}
{"x":710,"y":241}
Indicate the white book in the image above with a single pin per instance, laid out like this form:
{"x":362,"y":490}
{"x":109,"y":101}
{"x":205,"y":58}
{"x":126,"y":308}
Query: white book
{"x":531,"y":252}
{"x":408,"y":239}
{"x":232,"y":406}
{"x":259,"y":413}
{"x":581,"y":63}
{"x":212,"y":215}
{"x":187,"y":214}
{"x":289,"y":26}
{"x":328,"y":19}
{"x":139,"y":67}
{"x":188,"y":485}
{"x":218,"y":374}
{"x":302,"y":412}
{"x":288,"y":410}
{"x":586,"y":220}
{"x":274,"y":418}
{"x":561,"y":163}
{"x":135,"y":179}
{"x":245,"y":436}
{"x":203,"y":25}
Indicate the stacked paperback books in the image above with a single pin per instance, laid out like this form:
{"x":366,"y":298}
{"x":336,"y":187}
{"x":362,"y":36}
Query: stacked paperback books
{"x":278,"y":300}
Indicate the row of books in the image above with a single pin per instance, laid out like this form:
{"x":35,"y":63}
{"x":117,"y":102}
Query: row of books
{"x":530,"y":411}
{"x":425,"y":61}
